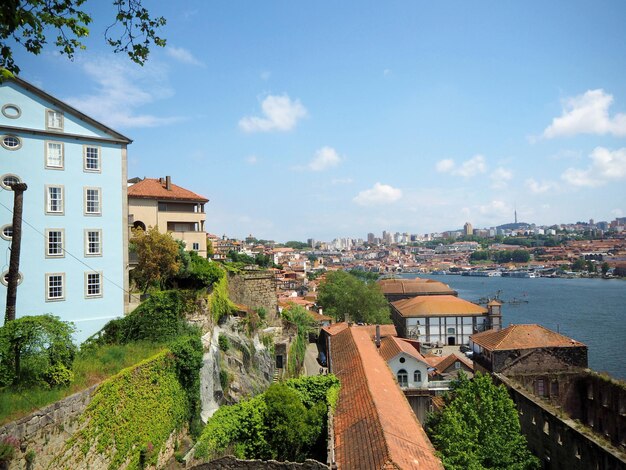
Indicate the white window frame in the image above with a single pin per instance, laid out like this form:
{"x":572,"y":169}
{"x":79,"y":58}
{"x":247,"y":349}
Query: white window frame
{"x":17,"y":147}
{"x":86,"y":201}
{"x":47,"y":247}
{"x":6,"y":186}
{"x":417,"y":376}
{"x":47,"y":287}
{"x":3,"y":228}
{"x":87,"y":276}
{"x":4,"y":282}
{"x":48,"y":164}
{"x":85,"y":151}
{"x":87,"y":232}
{"x":48,"y":200}
{"x":8,"y":114}
{"x":49,"y":113}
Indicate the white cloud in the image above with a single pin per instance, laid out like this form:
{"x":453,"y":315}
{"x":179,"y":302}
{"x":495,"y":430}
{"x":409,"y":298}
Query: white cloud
{"x":280,"y":114}
{"x":121,"y":89}
{"x":539,"y":187}
{"x":325,"y":158}
{"x":378,"y":194}
{"x":252,"y":160}
{"x":496,"y":209}
{"x":182,"y":55}
{"x":606,"y":166}
{"x":467,"y":169}
{"x":587,"y":114}
{"x":446,"y":165}
{"x":338,"y":181}
{"x":500,"y":177}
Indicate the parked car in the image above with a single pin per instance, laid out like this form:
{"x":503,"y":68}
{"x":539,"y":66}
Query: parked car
{"x":321,"y":358}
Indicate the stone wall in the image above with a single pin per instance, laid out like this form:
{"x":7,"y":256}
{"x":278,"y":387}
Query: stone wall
{"x":560,"y":442}
{"x":46,"y":430}
{"x":254,"y":289}
{"x":232,"y":463}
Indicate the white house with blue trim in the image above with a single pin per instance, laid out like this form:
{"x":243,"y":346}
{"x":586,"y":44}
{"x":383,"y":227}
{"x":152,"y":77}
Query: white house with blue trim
{"x":74,"y":253}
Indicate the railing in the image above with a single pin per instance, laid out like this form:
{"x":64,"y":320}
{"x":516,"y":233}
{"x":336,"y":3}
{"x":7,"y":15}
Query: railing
{"x":440,"y":384}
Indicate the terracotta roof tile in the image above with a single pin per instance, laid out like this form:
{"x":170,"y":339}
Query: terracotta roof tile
{"x":391,"y":346}
{"x":375,"y":427}
{"x":416,"y":286}
{"x":523,"y":337}
{"x":437,"y":305}
{"x":153,"y":188}
{"x":450,"y":359}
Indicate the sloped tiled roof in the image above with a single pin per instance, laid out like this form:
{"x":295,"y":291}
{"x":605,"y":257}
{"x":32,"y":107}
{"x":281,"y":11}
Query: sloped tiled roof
{"x":385,"y":330}
{"x":450,"y":359}
{"x":391,"y":346}
{"x":523,"y":337}
{"x":153,"y":188}
{"x":375,"y":427}
{"x":437,"y":305}
{"x":416,"y":286}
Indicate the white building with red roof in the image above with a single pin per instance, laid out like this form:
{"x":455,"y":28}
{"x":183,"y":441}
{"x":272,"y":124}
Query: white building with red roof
{"x":157,"y":202}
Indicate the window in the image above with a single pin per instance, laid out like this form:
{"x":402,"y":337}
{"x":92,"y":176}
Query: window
{"x":6,"y":232}
{"x":12,"y":111}
{"x":93,"y":284}
{"x":196,"y":246}
{"x":11,"y":142}
{"x":4,"y":278}
{"x":55,"y":286}
{"x":54,"y":155}
{"x":417,"y":376}
{"x":457,"y":365}
{"x":91,"y":158}
{"x":403,"y":378}
{"x":54,"y":199}
{"x":93,"y":242}
{"x":54,"y":243}
{"x":540,"y":387}
{"x":54,"y":120}
{"x":9,"y":180}
{"x":93,"y":201}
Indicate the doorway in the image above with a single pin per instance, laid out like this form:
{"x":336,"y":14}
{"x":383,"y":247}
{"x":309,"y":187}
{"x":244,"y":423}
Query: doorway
{"x":451,"y":340}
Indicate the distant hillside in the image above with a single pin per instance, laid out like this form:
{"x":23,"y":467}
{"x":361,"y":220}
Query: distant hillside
{"x":514,"y":226}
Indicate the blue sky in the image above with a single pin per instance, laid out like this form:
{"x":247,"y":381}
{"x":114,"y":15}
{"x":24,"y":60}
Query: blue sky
{"x":326,"y":119}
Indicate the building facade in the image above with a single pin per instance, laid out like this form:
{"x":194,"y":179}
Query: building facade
{"x":74,"y":237}
{"x":157,"y":202}
{"x":441,"y":319}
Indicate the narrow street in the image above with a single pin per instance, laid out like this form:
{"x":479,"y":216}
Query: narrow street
{"x":311,"y":366}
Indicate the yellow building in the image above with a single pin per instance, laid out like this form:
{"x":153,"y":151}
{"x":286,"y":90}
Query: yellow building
{"x":159,"y":203}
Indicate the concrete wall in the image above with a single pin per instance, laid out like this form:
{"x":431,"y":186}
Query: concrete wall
{"x":558,"y":441}
{"x":254,"y":289}
{"x":46,"y":430}
{"x":232,"y":463}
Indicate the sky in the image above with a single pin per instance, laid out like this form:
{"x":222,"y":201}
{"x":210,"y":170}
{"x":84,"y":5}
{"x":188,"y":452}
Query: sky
{"x":334,"y":119}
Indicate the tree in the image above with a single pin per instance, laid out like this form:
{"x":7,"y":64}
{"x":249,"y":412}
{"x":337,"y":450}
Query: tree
{"x":605,"y":268}
{"x":479,"y":255}
{"x":294,"y":428}
{"x":579,"y":265}
{"x":157,"y":257}
{"x":343,"y":296}
{"x":36,"y":350}
{"x":520,"y":256}
{"x":28,"y":23}
{"x":296,"y":245}
{"x":479,"y":428}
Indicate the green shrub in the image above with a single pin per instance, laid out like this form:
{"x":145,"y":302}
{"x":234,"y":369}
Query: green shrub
{"x":32,"y":349}
{"x":219,"y":303}
{"x":8,"y":447}
{"x":223,"y":342}
{"x":58,"y":375}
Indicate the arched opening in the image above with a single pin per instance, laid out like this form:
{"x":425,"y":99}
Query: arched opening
{"x":451,"y":340}
{"x":139,"y":224}
{"x":403,"y":378}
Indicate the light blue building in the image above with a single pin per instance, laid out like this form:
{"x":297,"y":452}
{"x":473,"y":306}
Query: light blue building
{"x":74,"y":233}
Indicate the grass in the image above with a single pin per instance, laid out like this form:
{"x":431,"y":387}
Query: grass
{"x":90,"y":368}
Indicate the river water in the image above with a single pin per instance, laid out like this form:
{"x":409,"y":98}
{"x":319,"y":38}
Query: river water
{"x":592,"y":311}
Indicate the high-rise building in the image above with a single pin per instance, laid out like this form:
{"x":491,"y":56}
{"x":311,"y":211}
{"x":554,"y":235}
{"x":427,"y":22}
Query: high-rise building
{"x":468,"y":229}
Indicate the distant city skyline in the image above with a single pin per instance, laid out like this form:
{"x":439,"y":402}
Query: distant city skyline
{"x":308,"y":120}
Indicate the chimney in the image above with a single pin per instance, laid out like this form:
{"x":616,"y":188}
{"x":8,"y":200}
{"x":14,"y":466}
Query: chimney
{"x":168,"y":183}
{"x":378,"y":336}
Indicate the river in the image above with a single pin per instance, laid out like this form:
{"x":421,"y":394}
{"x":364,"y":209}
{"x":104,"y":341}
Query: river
{"x":592,"y":311}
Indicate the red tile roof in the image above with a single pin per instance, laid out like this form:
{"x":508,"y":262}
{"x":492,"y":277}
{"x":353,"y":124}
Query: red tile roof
{"x":153,"y":188}
{"x":523,"y":337}
{"x":437,"y":305}
{"x":375,"y":427}
{"x":391,"y":346}
{"x":450,"y":359}
{"x":416,"y":286}
{"x":385,"y":330}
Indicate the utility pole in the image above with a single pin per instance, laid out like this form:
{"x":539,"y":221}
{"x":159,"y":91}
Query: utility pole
{"x":16,"y":243}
